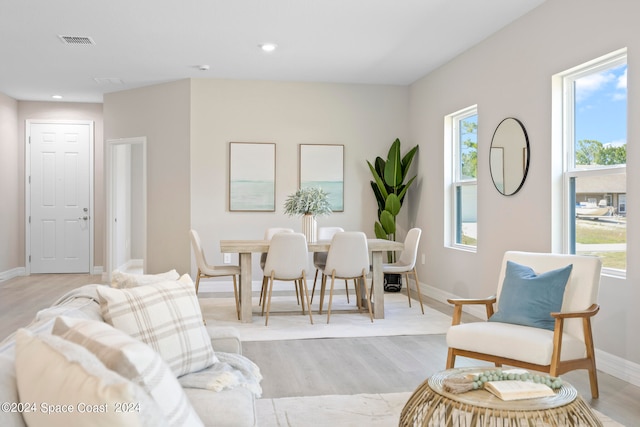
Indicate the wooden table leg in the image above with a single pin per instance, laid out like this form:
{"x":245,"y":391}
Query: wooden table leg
{"x":246,"y":290}
{"x":377,"y":285}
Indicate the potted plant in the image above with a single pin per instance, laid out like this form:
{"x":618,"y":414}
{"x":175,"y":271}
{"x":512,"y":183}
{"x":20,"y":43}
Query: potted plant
{"x":308,"y":202}
{"x":390,"y":189}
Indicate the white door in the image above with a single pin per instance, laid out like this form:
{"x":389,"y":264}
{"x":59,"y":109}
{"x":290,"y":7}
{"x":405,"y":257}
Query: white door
{"x":60,"y":197}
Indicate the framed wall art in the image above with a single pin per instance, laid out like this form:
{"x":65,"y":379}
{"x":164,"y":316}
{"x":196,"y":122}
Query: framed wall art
{"x":252,"y":176}
{"x":322,"y":165}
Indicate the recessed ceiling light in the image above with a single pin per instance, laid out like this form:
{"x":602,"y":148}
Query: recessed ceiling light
{"x":56,"y":96}
{"x":268,"y":47}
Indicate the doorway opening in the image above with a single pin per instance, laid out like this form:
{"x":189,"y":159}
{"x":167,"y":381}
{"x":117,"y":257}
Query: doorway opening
{"x":126,"y":180}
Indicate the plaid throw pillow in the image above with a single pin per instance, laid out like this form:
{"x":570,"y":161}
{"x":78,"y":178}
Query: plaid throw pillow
{"x":167,"y":317}
{"x":135,"y":361}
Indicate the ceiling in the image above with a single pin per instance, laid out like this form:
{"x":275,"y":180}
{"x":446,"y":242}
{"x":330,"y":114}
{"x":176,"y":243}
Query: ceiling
{"x":144,"y":42}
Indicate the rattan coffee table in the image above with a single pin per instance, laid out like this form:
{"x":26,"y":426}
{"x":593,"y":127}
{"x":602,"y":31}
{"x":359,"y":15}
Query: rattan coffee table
{"x":431,"y":406}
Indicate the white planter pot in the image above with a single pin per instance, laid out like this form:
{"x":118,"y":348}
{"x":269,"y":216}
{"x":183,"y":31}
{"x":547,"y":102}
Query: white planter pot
{"x":310,"y":228}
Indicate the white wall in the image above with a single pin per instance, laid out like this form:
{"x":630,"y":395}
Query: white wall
{"x":365,"y":118}
{"x":509,"y":74}
{"x":11,"y":260}
{"x":162,"y":114}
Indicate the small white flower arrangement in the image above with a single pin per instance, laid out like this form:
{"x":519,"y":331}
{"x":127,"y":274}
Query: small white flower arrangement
{"x":308,"y":201}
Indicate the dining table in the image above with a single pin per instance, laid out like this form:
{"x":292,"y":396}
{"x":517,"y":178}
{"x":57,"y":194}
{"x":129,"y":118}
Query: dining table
{"x":245,"y":248}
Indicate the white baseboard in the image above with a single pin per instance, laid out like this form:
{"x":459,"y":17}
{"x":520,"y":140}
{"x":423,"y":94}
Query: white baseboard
{"x":97,"y":269}
{"x":14,"y":272}
{"x":608,"y":363}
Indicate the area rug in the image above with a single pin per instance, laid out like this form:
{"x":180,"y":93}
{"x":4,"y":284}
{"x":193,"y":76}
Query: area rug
{"x":371,"y":410}
{"x":286,"y":321}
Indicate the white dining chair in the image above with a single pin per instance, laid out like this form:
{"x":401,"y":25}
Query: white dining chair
{"x":287,"y":260}
{"x":348,"y":258}
{"x":268,"y":234}
{"x":406,"y":263}
{"x":207,"y":271}
{"x":320,"y":258}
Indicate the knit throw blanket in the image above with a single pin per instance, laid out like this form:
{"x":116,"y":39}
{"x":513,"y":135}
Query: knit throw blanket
{"x":232,"y":370}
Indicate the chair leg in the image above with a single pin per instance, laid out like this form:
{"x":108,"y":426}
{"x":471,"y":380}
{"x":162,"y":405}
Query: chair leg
{"x":355,"y":282}
{"x":364,"y":278}
{"x":303,"y":282}
{"x":323,"y":286}
{"x":406,"y":281}
{"x":333,"y":279}
{"x":451,"y":359}
{"x":198,"y":281}
{"x":266,"y":321}
{"x":315,"y":278}
{"x":235,"y":294}
{"x":298,"y":286}
{"x":346,"y":288}
{"x":415,"y":275}
{"x":263,"y":292}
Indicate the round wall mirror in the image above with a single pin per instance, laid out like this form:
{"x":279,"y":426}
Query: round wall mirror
{"x":509,"y":159}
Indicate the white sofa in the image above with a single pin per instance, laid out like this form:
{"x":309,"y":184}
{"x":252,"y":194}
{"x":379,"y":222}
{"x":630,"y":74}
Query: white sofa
{"x":229,"y":407}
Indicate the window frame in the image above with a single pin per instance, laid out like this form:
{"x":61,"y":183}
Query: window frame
{"x":571,"y":172}
{"x":454,"y":180}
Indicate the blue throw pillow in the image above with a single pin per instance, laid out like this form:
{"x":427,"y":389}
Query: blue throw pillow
{"x":528,"y":298}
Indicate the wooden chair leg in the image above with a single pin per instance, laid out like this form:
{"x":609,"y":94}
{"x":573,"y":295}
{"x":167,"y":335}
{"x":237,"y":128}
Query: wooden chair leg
{"x":415,"y":275}
{"x":198,"y":281}
{"x":235,"y":294}
{"x":266,"y":321}
{"x":315,"y":278}
{"x":364,"y":278}
{"x":357,"y":295}
{"x":298,"y":284}
{"x":451,"y":359}
{"x":333,"y":279}
{"x":323,"y":286}
{"x":406,"y":280}
{"x":346,"y":288}
{"x":305,"y":290}
{"x":263,"y":292}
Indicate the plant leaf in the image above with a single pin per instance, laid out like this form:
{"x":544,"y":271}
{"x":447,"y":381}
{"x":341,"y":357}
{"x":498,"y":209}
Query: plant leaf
{"x":405,"y":188}
{"x":380,"y":234}
{"x":376,"y":177}
{"x":406,"y":161}
{"x":393,"y":167}
{"x":392,"y":204}
{"x":388,"y":222}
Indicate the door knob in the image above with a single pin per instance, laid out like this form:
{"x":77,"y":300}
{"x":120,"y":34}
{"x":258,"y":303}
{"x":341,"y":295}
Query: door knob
{"x":83,"y":217}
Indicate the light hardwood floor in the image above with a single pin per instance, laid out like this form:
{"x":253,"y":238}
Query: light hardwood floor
{"x":325,"y":366}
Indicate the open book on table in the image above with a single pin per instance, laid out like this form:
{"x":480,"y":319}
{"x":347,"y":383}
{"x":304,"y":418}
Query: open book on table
{"x":516,"y":390}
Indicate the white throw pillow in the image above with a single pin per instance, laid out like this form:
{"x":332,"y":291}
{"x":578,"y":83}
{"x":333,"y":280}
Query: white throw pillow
{"x":9,"y":393}
{"x":66,"y":385}
{"x":167,"y":317}
{"x":135,"y":361}
{"x":123,"y":280}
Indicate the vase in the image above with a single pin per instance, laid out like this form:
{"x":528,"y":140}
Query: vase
{"x":310,"y":228}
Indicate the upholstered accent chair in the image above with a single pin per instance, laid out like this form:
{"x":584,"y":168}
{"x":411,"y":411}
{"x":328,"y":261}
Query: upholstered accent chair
{"x":515,"y":335}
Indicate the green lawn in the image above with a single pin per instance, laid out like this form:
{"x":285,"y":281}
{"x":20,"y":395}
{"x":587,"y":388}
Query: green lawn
{"x":603,"y":232}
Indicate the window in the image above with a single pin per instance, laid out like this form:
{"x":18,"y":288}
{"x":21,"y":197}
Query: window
{"x":595,"y":151}
{"x":461,"y":133}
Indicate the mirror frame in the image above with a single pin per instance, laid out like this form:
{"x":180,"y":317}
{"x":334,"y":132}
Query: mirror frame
{"x":526,"y":155}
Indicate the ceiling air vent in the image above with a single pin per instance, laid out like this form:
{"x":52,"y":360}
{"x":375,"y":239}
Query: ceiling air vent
{"x":77,"y":40}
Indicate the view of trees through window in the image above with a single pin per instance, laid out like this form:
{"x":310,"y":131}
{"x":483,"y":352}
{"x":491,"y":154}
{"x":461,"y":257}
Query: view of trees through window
{"x":597,"y":175}
{"x":467,"y":195}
